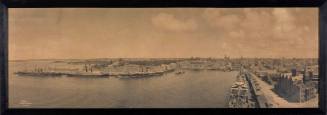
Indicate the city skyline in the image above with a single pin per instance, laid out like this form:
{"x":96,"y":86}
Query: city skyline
{"x":69,"y":33}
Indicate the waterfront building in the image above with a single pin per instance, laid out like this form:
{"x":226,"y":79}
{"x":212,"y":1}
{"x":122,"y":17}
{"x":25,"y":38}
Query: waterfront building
{"x":292,"y":88}
{"x":294,"y":72}
{"x":306,"y":75}
{"x":236,"y":66}
{"x":314,"y":77}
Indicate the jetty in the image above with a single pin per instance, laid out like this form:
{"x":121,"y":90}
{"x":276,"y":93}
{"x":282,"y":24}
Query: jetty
{"x":246,"y":92}
{"x":240,"y":95}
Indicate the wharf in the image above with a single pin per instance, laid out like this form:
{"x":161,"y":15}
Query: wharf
{"x":91,"y":74}
{"x":258,"y":95}
{"x":254,"y":96}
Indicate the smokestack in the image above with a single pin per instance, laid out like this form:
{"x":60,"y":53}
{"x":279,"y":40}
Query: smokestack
{"x":294,"y":72}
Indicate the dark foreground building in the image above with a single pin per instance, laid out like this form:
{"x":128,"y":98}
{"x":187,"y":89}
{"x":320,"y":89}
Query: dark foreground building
{"x":296,"y":87}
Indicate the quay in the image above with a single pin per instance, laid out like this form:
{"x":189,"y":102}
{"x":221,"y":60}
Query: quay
{"x":254,"y":98}
{"x":258,"y":95}
{"x":92,"y":74}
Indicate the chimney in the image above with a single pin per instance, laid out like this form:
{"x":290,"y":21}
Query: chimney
{"x":294,"y":73}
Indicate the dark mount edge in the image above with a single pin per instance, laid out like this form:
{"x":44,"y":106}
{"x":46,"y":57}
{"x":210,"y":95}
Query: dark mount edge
{"x":322,"y":56}
{"x":3,"y":58}
{"x":5,"y":4}
{"x":161,"y":3}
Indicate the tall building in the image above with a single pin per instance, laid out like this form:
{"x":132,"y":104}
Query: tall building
{"x":306,"y":75}
{"x":293,"y":89}
{"x":294,"y":72}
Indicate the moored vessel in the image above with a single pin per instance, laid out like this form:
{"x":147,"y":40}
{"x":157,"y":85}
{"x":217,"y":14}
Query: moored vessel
{"x":240,"y":95}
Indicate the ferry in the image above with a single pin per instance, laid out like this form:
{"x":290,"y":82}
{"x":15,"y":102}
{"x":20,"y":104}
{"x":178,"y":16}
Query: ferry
{"x":142,"y":74}
{"x":89,"y":73}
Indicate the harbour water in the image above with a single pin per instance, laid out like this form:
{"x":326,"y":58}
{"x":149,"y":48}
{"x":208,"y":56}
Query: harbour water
{"x":192,"y":89}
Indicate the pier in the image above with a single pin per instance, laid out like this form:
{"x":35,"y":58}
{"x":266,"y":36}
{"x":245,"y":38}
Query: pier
{"x":255,"y":95}
{"x":259,"y":97}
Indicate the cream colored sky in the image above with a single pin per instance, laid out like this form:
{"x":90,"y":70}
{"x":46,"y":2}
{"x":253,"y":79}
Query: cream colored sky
{"x":161,"y":33}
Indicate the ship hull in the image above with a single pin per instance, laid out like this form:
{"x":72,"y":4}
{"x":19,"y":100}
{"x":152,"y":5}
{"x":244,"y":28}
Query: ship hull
{"x":54,"y":74}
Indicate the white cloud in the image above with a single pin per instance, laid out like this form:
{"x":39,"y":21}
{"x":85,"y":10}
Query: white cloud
{"x":284,"y":22}
{"x":216,"y":18}
{"x":172,"y":23}
{"x":255,"y":31}
{"x":237,"y":34}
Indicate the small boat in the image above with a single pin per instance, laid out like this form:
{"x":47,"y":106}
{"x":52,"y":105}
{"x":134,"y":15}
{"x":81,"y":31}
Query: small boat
{"x":180,"y":72}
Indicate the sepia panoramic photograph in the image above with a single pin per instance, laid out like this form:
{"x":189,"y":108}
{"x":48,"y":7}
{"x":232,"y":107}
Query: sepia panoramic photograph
{"x":163,"y":58}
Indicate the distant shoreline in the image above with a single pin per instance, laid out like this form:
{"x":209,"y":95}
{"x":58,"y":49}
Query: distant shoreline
{"x":150,"y":58}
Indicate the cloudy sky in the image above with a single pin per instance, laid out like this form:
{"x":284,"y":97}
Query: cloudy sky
{"x":162,"y":33}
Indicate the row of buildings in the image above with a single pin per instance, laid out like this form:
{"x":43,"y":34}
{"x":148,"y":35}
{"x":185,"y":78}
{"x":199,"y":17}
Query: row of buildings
{"x":297,"y":86}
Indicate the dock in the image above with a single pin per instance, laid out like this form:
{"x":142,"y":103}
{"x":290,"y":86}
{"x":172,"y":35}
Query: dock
{"x":254,"y":96}
{"x":260,"y":98}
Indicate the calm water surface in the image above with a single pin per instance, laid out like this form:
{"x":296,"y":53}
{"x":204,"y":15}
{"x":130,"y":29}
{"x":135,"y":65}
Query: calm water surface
{"x":193,"y":89}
